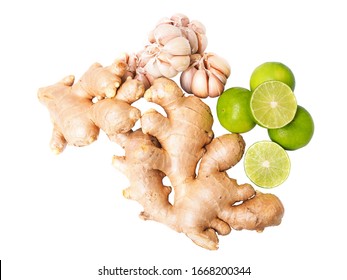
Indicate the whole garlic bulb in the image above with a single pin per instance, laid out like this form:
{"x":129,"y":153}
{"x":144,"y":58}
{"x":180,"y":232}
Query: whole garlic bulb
{"x":169,"y":54}
{"x":194,"y":31}
{"x":206,"y":76}
{"x":176,"y":45}
{"x":172,"y":42}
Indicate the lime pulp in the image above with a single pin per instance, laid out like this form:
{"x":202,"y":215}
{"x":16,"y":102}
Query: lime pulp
{"x":273,"y":104}
{"x":266,"y":164}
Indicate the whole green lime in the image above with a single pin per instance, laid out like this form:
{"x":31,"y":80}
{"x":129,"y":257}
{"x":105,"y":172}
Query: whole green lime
{"x":297,"y":134}
{"x":233,"y":110}
{"x":272,"y":71}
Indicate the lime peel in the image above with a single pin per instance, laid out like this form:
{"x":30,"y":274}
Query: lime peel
{"x":297,"y":134}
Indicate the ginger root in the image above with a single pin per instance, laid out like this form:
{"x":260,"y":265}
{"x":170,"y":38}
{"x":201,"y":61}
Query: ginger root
{"x":205,"y":203}
{"x":180,"y":146}
{"x":78,"y":111}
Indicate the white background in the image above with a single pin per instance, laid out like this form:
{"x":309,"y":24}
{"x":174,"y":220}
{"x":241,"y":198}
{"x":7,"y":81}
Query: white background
{"x":64,"y":217}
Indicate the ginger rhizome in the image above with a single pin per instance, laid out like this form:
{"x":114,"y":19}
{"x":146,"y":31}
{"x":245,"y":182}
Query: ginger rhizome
{"x":205,"y":203}
{"x":78,"y":111}
{"x":180,"y":145}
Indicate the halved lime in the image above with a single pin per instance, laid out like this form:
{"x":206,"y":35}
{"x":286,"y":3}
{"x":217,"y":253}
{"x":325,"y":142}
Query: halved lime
{"x":266,"y":164}
{"x":273,"y":104}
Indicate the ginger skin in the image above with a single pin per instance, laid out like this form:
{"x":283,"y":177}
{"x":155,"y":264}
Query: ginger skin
{"x":78,"y":111}
{"x":180,"y":146}
{"x":207,"y":203}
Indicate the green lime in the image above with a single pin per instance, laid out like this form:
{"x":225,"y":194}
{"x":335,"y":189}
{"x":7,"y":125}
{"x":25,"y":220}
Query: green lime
{"x":273,"y":104}
{"x":233,"y":110}
{"x":266,"y":164}
{"x":297,"y":133}
{"x":272,"y":71}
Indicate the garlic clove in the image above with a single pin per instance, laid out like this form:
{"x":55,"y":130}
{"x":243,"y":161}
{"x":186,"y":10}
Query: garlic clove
{"x":164,"y":20}
{"x":178,"y":46}
{"x":192,"y":38}
{"x":152,"y":68}
{"x":166,"y":69}
{"x":179,"y":62}
{"x":164,"y":57}
{"x":202,"y":42}
{"x":197,"y":26}
{"x":215,"y":86}
{"x":222,"y":78}
{"x":164,"y":33}
{"x":200,"y":84}
{"x":187,"y":78}
{"x":218,"y":63}
{"x":180,"y":20}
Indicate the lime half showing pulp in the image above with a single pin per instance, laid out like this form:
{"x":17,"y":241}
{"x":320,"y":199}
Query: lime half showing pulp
{"x":267,"y":164}
{"x":273,"y":104}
